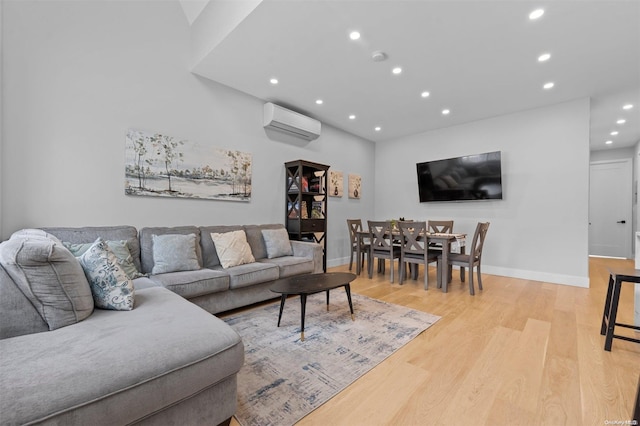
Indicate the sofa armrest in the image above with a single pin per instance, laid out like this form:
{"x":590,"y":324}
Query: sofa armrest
{"x":310,"y":250}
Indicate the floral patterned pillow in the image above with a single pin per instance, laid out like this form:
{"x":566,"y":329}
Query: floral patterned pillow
{"x":110,"y":285}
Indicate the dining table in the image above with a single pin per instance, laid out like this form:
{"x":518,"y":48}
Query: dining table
{"x":446,"y":240}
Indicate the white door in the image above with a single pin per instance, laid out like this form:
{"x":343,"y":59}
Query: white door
{"x":610,"y":217}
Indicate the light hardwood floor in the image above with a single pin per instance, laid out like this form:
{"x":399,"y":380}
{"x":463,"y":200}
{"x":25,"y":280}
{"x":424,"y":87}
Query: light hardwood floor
{"x":518,"y":353}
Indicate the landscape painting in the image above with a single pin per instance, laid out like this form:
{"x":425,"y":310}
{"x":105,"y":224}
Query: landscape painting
{"x":164,"y":166}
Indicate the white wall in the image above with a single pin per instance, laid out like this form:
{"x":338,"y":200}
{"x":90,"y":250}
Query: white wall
{"x":539,"y":230}
{"x":77,"y":75}
{"x":1,"y":116}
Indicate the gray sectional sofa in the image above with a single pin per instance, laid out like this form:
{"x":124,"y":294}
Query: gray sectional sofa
{"x":166,"y":361}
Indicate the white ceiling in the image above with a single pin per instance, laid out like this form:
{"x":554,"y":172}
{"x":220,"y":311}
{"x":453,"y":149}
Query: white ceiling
{"x":476,"y":58}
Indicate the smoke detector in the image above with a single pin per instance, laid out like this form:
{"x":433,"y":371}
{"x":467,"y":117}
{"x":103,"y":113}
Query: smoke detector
{"x":378,"y":56}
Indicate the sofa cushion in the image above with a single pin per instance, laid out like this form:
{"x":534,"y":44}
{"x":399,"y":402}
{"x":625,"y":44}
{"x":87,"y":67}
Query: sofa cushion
{"x":232,"y":248}
{"x":88,"y":234}
{"x":174,"y":252}
{"x":50,"y":277}
{"x":146,"y":243}
{"x":120,"y":248}
{"x":291,"y":265}
{"x":277,"y":242}
{"x":251,"y":273}
{"x":19,"y":316}
{"x":209,"y":255}
{"x":193,"y":283}
{"x":110,"y":285}
{"x":94,"y":373}
{"x":256,"y":240}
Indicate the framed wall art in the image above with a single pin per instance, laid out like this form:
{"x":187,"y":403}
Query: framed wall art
{"x":355,"y":183}
{"x":159,"y":165}
{"x":336,"y":183}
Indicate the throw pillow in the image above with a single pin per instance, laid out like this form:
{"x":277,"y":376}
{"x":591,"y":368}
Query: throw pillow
{"x":110,"y":285}
{"x":277,"y":242}
{"x":50,"y":277}
{"x":174,"y":252}
{"x":232,"y":248}
{"x":119,"y":248}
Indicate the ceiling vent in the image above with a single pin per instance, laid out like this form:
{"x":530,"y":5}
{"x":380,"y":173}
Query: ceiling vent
{"x":290,"y":122}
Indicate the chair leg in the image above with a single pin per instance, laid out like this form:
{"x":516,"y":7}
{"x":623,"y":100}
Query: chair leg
{"x":426,"y":276}
{"x":479,"y":277}
{"x":351,"y":259}
{"x":402,"y":266}
{"x":391,"y":267}
{"x":471,"y":289}
{"x":370,"y":267}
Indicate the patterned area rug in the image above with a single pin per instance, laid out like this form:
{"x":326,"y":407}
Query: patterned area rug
{"x":283,"y":378}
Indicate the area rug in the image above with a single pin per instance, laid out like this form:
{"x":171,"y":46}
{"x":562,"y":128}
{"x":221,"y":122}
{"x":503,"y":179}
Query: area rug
{"x":283,"y":378}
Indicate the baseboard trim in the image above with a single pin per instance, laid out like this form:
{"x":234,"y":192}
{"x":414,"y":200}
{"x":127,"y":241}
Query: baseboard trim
{"x":547,"y":277}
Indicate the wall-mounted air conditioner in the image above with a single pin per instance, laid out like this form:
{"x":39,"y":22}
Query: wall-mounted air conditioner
{"x":290,"y":122}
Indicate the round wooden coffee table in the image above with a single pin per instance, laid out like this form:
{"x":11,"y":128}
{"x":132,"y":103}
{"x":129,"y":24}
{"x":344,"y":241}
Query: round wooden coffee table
{"x":304,"y":285}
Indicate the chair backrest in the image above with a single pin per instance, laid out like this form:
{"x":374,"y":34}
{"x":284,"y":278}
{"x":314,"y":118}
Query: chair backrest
{"x":355,"y":226}
{"x":412,"y":233}
{"x":478,"y":240}
{"x":440,"y":226}
{"x":380,"y":235}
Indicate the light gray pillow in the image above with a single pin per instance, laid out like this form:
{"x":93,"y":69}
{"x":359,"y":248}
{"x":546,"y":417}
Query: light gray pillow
{"x":277,"y":242}
{"x":49,"y":276}
{"x":111,"y":287}
{"x":174,"y":252}
{"x":118,"y":247}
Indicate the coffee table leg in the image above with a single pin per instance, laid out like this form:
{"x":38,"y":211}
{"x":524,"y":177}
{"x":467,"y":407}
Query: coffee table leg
{"x":283,"y":297}
{"x":303,"y":305}
{"x":327,"y":300}
{"x":347,"y":288}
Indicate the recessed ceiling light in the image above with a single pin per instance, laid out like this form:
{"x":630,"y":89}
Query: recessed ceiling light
{"x":544,"y":57}
{"x":273,"y":81}
{"x":397,"y":70}
{"x":424,"y":94}
{"x":445,"y":112}
{"x":354,"y":35}
{"x":536,"y":14}
{"x":627,"y":106}
{"x":614,"y":133}
{"x":548,"y":85}
{"x":621,"y":121}
{"x":319,"y":101}
{"x":609,"y":142}
{"x":377,"y":129}
{"x":352,"y":117}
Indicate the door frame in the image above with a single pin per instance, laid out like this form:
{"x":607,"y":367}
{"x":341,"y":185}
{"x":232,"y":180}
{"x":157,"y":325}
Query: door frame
{"x":630,"y":238}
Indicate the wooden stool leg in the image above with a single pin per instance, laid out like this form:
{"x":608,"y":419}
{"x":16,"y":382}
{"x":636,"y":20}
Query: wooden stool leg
{"x":607,"y":306}
{"x":613,"y":313}
{"x":636,"y":409}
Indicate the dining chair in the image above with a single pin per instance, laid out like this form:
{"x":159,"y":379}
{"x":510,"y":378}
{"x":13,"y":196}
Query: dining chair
{"x":382,"y":246}
{"x":414,"y":249}
{"x":355,"y":226}
{"x":471,"y":259}
{"x":441,"y":227}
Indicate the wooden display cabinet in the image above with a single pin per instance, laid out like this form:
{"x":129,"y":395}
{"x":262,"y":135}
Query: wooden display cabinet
{"x":306,"y":203}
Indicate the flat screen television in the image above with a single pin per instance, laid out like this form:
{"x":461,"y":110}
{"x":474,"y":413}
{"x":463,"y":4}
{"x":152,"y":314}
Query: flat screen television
{"x":472,"y":177}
